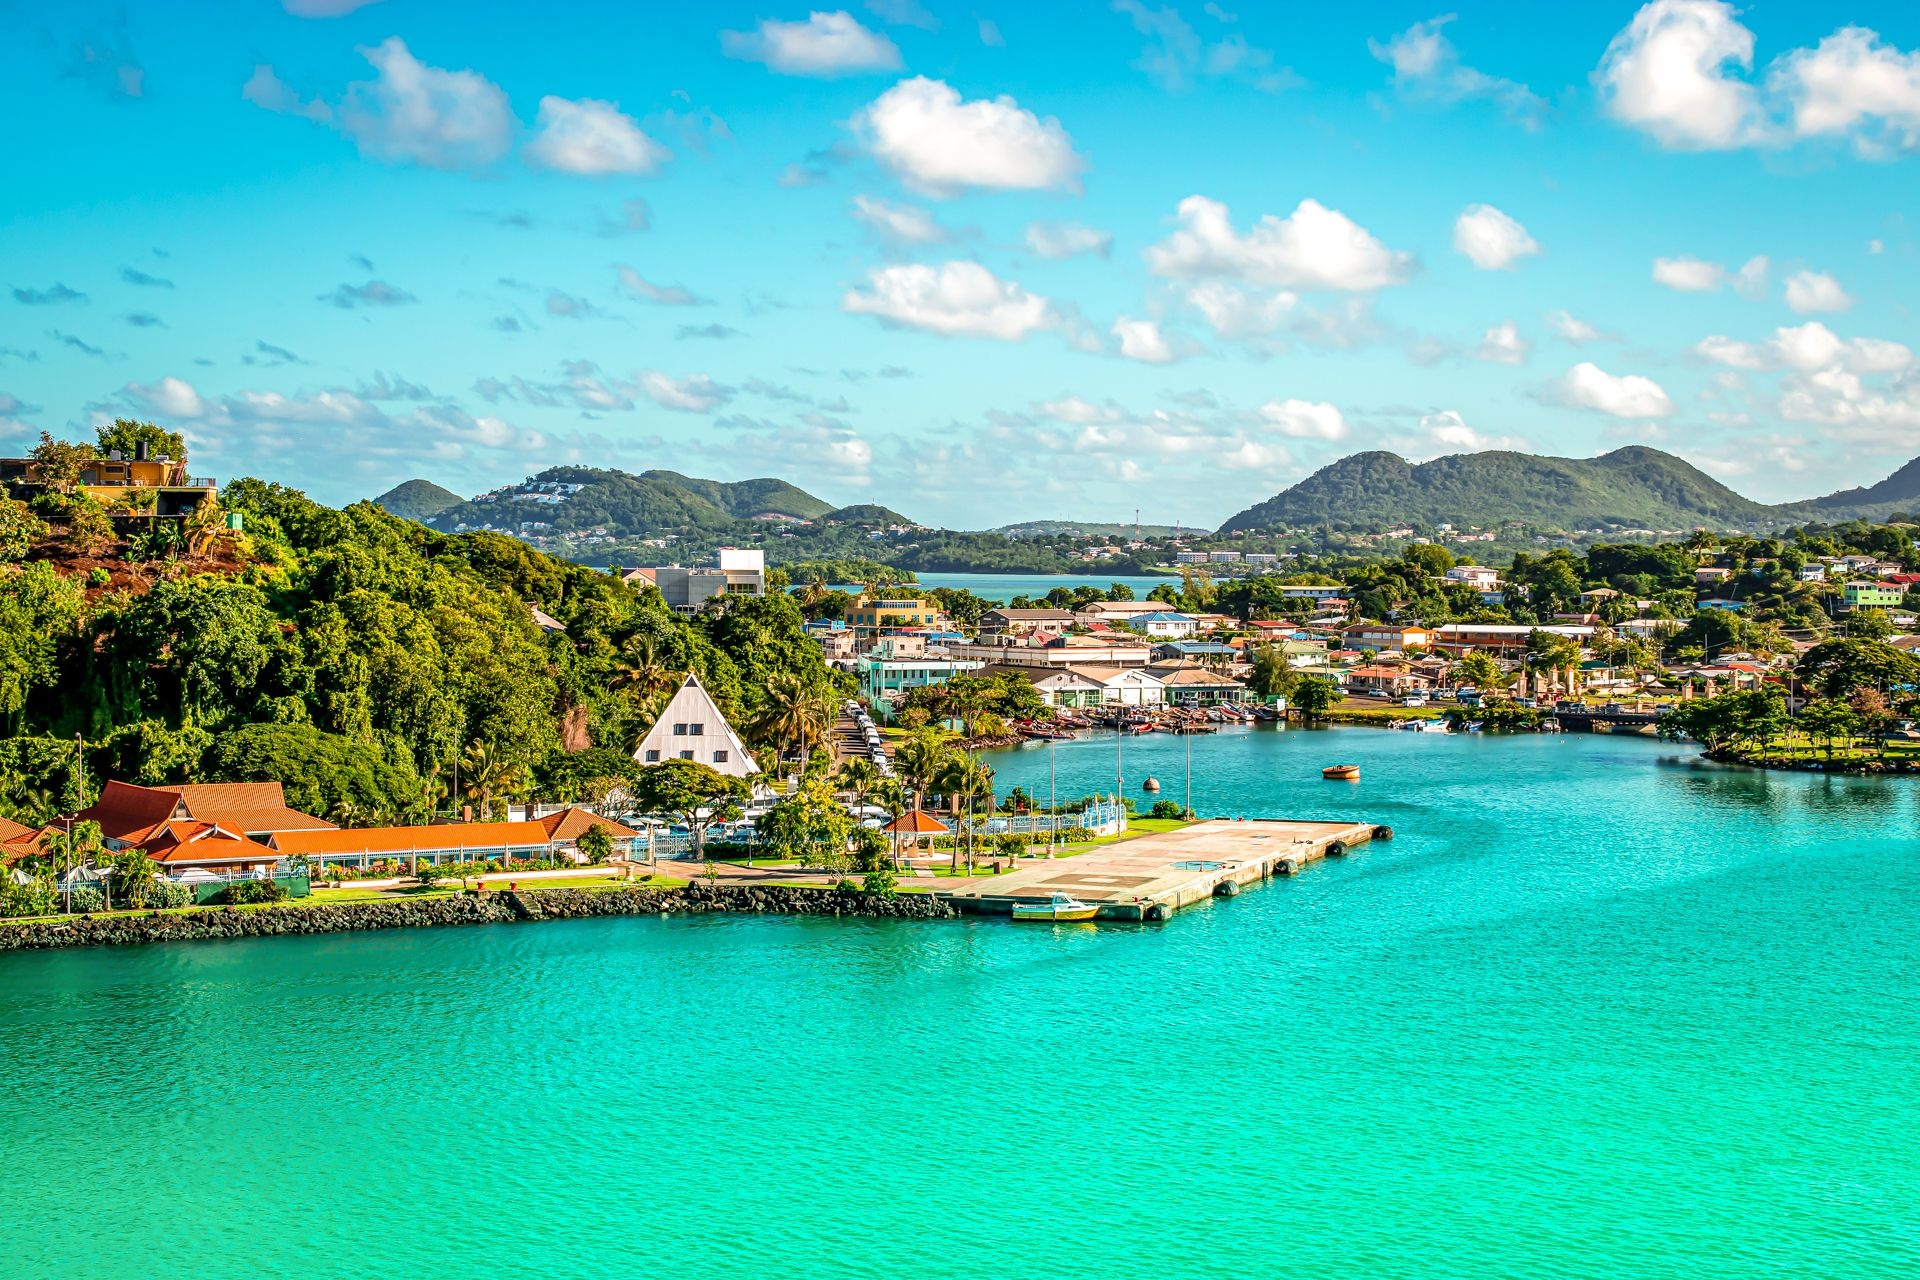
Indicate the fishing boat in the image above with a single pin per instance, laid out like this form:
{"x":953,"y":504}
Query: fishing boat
{"x":1060,"y":906}
{"x":1341,"y":772}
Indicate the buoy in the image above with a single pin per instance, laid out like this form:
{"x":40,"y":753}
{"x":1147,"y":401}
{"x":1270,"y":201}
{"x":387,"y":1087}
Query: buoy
{"x":1151,"y":784}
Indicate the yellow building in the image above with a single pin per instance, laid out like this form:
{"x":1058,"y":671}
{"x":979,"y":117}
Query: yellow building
{"x":114,"y":480}
{"x":893,"y":610}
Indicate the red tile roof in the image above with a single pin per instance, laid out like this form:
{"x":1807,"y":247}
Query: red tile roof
{"x":182,"y":841}
{"x":384,"y":842}
{"x":573,"y":822}
{"x":132,"y":813}
{"x":11,"y":830}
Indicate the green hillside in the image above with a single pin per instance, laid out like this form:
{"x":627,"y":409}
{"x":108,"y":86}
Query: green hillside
{"x":1635,"y":487}
{"x":417,"y":500}
{"x":1083,"y":529}
{"x":651,"y":504}
{"x":870,"y":513}
{"x":1898,"y":492}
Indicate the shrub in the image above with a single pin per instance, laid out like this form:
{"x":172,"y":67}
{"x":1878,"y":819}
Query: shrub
{"x":426,"y":873}
{"x":241,"y":892}
{"x":34,"y":898}
{"x":1011,"y":844}
{"x":86,"y":901}
{"x":168,"y":895}
{"x":98,"y":577}
{"x":880,"y":882}
{"x":1165,"y":809}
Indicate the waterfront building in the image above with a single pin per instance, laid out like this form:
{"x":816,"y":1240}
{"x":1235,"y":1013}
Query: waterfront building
{"x":1382,"y":681}
{"x":692,"y":728}
{"x":130,"y":815}
{"x":884,"y":676}
{"x":1071,"y":651}
{"x":1190,"y":685}
{"x":1124,"y":686}
{"x":437,"y":843}
{"x":1189,"y":557}
{"x":1112,"y":611}
{"x":1057,"y":687}
{"x":1223,"y":557}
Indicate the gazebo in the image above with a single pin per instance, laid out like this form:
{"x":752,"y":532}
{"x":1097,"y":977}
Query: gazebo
{"x":914,"y":823}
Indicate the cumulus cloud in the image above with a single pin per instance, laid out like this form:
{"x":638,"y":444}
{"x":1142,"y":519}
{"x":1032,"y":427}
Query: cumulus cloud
{"x":1806,"y":348}
{"x":924,"y":132}
{"x":899,"y":225}
{"x":1067,"y":240}
{"x":1448,"y":430}
{"x":1490,"y":239}
{"x":1809,"y":292}
{"x":1666,"y":74}
{"x":1503,"y":344}
{"x":592,"y":139}
{"x":1142,"y":340}
{"x":1427,"y":66}
{"x":1178,"y":56}
{"x":1304,"y":419}
{"x":409,"y":111}
{"x":958,"y":299}
{"x":374,"y":293}
{"x":1680,"y":69}
{"x":666,"y":295}
{"x":170,"y":397}
{"x":1314,"y":247}
{"x":696,"y":393}
{"x":1696,"y":275}
{"x":826,"y":44}
{"x":1236,"y":312}
{"x":1587,"y":386}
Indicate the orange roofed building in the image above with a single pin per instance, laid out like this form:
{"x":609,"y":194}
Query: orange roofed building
{"x":130,"y":815}
{"x":446,"y":842}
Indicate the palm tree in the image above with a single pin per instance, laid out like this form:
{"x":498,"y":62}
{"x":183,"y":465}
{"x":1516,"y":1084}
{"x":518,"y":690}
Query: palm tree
{"x":640,"y":669}
{"x":485,"y":778}
{"x":919,"y":760}
{"x":963,"y":779}
{"x":206,"y":527}
{"x":134,"y":874}
{"x":796,"y":715}
{"x":860,"y":777}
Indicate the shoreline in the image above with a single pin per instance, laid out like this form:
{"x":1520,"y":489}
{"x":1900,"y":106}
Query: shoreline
{"x":496,"y":907}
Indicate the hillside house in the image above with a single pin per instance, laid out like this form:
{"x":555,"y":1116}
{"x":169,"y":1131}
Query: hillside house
{"x":692,"y":728}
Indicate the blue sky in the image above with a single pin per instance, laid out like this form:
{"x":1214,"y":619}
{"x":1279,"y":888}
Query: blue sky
{"x":979,"y":262}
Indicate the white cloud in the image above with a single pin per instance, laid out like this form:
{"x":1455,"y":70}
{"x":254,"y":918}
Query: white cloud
{"x":1066,"y":239}
{"x":696,"y":393}
{"x":1806,"y":348}
{"x":1678,"y":72}
{"x":1427,"y":66}
{"x":1449,"y":430}
{"x":1575,"y":330}
{"x":1490,"y":239}
{"x":899,"y":224}
{"x":446,"y":119}
{"x":1696,"y":275}
{"x":592,"y":139}
{"x":958,"y":299}
{"x":1304,"y":419}
{"x":1816,"y":291}
{"x":1142,"y":340}
{"x":666,"y":295}
{"x":1179,"y":56}
{"x":1851,"y":83}
{"x":1234,"y":312}
{"x":1503,"y":345}
{"x":922,"y":130}
{"x":170,"y":397}
{"x":1665,"y":74}
{"x":1313,"y":248}
{"x":826,"y":44}
{"x":1587,"y":386}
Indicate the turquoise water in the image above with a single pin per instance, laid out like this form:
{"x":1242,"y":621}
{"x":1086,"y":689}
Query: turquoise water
{"x":1597,"y":1010}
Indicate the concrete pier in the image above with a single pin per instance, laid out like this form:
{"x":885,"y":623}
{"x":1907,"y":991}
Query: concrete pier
{"x":1151,"y":877}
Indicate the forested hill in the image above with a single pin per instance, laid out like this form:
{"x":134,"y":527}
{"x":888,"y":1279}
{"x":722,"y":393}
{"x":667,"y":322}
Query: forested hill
{"x":1898,"y":492}
{"x":651,"y":504}
{"x":417,"y":500}
{"x":353,"y":655}
{"x":1634,"y":487}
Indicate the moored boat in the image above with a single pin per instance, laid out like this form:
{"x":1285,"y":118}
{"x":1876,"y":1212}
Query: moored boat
{"x":1341,"y":772}
{"x":1060,"y":906}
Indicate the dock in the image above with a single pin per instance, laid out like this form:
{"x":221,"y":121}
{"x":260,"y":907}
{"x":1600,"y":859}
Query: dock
{"x":1151,"y":877}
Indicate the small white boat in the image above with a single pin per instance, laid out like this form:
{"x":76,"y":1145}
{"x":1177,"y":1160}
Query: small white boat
{"x":1060,"y":906}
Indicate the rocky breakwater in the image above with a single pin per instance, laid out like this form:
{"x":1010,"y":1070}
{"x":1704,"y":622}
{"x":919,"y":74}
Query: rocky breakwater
{"x":304,"y":918}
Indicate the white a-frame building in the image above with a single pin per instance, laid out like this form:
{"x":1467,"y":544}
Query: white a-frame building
{"x":692,"y":728}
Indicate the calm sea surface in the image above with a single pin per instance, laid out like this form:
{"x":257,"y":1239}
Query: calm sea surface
{"x":1597,"y":1010}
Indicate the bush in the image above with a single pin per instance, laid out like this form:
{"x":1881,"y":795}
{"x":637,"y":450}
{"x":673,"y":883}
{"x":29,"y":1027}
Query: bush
{"x":98,"y":577}
{"x":880,"y":882}
{"x":167,"y":895}
{"x":1011,"y":844}
{"x":242,"y":892}
{"x":426,"y":873}
{"x":1166,"y":809}
{"x":87,"y":901}
{"x":34,"y":898}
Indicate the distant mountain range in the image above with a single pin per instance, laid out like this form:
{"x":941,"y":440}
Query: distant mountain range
{"x":1631,"y":488}
{"x":1082,"y":529}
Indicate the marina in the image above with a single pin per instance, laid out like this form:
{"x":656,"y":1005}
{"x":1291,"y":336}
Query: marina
{"x":1151,"y":877}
